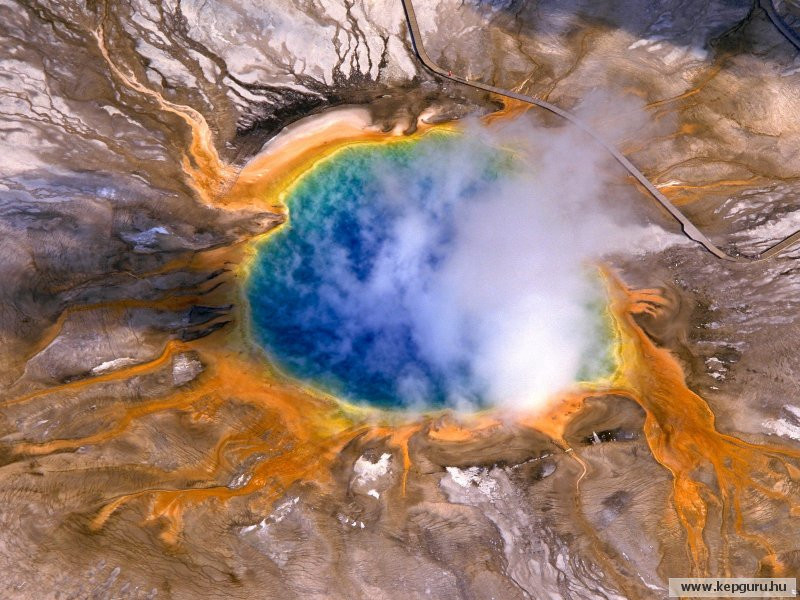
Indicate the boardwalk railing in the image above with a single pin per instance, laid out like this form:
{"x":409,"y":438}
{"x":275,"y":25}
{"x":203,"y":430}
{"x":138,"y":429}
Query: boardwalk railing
{"x":689,"y":228}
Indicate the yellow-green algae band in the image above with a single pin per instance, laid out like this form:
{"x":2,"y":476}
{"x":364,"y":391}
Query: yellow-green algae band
{"x":334,"y":304}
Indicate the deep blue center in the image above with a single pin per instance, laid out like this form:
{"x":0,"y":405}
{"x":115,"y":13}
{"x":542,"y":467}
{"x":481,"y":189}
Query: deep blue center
{"x":335,"y":293}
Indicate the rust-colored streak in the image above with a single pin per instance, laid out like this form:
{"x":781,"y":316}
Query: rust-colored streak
{"x":206,"y":172}
{"x":686,"y":129}
{"x":686,"y":193}
{"x":313,"y":428}
{"x":712,"y":72}
{"x":122,"y":423}
{"x":682,"y":435}
{"x":170,"y":348}
{"x":464,"y":429}
{"x":311,"y":436}
{"x":679,"y":429}
{"x":511,"y":110}
{"x":53,"y":331}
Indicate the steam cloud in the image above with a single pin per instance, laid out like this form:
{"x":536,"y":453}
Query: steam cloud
{"x":490,"y":281}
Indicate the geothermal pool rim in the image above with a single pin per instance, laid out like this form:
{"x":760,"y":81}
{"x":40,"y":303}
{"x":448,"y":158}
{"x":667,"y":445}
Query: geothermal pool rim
{"x":689,"y":229}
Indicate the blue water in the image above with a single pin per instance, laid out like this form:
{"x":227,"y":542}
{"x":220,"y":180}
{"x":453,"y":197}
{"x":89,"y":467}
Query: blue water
{"x":317,"y":304}
{"x":352,"y":295}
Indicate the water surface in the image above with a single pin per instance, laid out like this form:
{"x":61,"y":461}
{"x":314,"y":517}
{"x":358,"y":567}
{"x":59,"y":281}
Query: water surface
{"x":357,"y":295}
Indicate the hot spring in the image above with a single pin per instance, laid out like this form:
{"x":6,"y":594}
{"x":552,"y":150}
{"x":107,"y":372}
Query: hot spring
{"x":440,"y":271}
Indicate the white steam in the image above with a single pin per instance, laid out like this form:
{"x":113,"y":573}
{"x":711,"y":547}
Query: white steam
{"x":508,"y":296}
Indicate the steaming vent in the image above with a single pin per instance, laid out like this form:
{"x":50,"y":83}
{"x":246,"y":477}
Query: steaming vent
{"x":453,"y":270}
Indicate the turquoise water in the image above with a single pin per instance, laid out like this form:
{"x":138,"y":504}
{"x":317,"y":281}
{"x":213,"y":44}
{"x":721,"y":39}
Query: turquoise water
{"x":348,"y":296}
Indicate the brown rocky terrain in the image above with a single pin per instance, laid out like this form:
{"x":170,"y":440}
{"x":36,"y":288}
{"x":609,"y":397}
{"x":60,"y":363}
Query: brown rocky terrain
{"x":147,"y":450}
